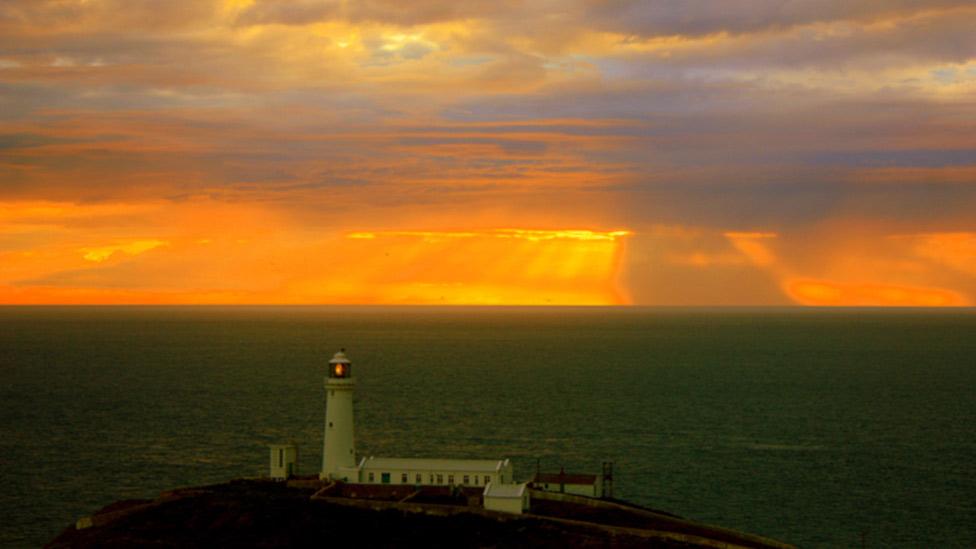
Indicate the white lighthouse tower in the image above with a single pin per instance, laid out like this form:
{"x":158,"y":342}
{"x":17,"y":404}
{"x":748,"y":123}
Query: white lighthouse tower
{"x":339,"y":452}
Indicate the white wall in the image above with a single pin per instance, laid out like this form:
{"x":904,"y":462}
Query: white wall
{"x":284,"y":461}
{"x":506,"y":505}
{"x":444,"y":473}
{"x":339,"y":449}
{"x":371,"y":475}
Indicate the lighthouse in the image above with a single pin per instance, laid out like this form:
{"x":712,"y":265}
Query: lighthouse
{"x":495,"y":477}
{"x":339,"y":452}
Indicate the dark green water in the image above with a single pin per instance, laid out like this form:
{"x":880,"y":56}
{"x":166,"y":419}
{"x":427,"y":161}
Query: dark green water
{"x":814,"y":427}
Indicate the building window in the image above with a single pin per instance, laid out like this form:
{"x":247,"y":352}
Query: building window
{"x":467,"y":479}
{"x":403,"y":478}
{"x":281,"y":457}
{"x":440,"y":479}
{"x":476,"y":480}
{"x":502,"y":481}
{"x":432,"y":478}
{"x":450,"y":479}
{"x":419,"y":478}
{"x":370,"y":478}
{"x":487,"y":479}
{"x":385,"y":478}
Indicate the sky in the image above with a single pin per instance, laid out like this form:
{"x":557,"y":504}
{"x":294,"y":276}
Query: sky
{"x":658,"y":152}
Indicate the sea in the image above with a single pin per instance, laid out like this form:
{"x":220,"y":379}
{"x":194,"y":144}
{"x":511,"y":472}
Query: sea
{"x":819,"y":427}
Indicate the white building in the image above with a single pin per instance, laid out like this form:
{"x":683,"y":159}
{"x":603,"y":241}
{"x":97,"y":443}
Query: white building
{"x":508,"y":498}
{"x":435,"y":472}
{"x":284,"y":461}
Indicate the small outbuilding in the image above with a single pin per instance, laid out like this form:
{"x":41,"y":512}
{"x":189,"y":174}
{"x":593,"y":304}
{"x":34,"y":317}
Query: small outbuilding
{"x":284,"y":461}
{"x":507,"y":498}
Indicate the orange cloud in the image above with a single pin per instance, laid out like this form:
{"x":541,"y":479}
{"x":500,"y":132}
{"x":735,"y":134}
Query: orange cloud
{"x":956,"y":250}
{"x":102,"y":253}
{"x":831,"y":293}
{"x":205,"y":251}
{"x":534,"y":235}
{"x":495,"y":266}
{"x":705,"y":260}
{"x":752,"y":246}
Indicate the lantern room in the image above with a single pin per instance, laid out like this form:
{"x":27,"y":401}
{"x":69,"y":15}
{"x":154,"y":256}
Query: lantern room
{"x":339,"y":366}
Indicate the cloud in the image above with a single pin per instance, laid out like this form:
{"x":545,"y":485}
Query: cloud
{"x":833,"y":125}
{"x":303,"y":12}
{"x":515,"y":265}
{"x":665,"y":261}
{"x":700,"y":17}
{"x":831,"y":293}
{"x":753,"y":246}
{"x":57,"y":16}
{"x":99,"y":254}
{"x":532,"y":235}
{"x":956,"y":250}
{"x":27,"y":140}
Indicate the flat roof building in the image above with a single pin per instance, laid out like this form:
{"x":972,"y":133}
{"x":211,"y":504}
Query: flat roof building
{"x":435,"y":472}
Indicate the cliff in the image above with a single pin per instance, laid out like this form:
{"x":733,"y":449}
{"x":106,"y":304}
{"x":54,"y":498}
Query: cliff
{"x":260,"y":513}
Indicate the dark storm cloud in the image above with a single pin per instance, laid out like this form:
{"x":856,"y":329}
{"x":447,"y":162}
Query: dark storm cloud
{"x":946,"y":37}
{"x":700,"y":17}
{"x":797,"y":200}
{"x":28,"y":140}
{"x":935,"y":158}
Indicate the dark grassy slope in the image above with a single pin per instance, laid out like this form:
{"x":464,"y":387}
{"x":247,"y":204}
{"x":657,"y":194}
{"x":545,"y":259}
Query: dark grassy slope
{"x":265,"y":514}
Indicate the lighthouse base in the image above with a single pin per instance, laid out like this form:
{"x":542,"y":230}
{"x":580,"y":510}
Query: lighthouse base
{"x":344,"y":474}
